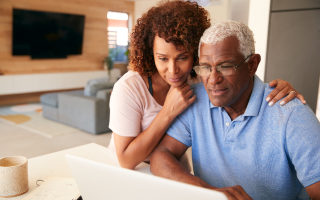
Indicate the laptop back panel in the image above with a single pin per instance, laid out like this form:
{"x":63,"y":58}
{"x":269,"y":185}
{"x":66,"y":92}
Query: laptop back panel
{"x":98,"y":181}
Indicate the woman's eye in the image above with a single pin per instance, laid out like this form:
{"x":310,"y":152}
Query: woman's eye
{"x":163,"y":59}
{"x":183,"y":58}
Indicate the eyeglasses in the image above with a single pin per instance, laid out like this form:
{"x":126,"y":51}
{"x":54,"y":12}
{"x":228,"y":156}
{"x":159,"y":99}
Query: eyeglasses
{"x":224,"y":69}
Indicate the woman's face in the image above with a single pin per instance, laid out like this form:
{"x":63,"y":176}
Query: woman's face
{"x":173,"y":65}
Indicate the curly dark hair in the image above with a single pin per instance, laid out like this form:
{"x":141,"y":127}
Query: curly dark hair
{"x":179,"y":22}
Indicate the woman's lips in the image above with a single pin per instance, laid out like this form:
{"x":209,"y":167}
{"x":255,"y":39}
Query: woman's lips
{"x":174,"y":80}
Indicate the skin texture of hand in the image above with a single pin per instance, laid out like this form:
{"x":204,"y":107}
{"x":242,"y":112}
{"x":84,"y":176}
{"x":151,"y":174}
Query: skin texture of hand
{"x":178,"y":99}
{"x":282,"y":89}
{"x":234,"y":193}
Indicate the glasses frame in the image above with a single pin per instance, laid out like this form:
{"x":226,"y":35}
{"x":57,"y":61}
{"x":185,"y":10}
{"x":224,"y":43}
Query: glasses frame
{"x":235,"y":67}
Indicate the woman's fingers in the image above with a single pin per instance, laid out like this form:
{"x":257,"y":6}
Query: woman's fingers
{"x":290,"y":96}
{"x":301,"y":98}
{"x":273,"y":83}
{"x":275,"y":96}
{"x":282,"y":89}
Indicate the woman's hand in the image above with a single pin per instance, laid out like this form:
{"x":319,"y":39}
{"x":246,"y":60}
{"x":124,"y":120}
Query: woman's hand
{"x":282,"y":89}
{"x":178,"y":99}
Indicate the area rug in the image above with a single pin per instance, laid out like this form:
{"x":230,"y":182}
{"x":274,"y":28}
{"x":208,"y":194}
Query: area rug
{"x":29,"y":116}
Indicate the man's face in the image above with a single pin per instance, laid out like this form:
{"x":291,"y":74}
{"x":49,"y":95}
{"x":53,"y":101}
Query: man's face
{"x":225,"y":91}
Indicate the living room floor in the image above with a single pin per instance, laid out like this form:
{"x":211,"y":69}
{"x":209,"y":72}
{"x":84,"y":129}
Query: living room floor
{"x":18,"y":141}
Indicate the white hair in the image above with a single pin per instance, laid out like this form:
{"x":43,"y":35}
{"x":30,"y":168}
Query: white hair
{"x":222,"y":30}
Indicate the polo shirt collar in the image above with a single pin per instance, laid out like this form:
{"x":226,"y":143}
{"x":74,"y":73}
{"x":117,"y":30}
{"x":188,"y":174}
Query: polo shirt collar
{"x":255,"y":100}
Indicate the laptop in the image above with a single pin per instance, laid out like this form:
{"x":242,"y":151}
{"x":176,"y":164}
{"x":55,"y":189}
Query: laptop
{"x":98,"y":181}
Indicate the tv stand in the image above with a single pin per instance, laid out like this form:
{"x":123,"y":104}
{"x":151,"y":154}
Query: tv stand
{"x":27,"y":83}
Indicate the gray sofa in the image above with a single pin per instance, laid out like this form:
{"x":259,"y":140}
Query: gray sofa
{"x":82,"y":109}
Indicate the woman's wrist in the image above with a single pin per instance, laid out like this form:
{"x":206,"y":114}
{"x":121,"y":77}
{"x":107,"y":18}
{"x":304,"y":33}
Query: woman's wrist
{"x":166,"y":116}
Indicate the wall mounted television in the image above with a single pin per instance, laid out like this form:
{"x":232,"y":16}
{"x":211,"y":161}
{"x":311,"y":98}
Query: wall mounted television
{"x":46,"y":34}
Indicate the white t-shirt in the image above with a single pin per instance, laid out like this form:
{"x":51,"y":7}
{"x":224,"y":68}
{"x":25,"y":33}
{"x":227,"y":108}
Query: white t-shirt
{"x":132,"y":108}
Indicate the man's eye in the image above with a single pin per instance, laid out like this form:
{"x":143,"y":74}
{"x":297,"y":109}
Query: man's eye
{"x":204,"y":67}
{"x":226,"y":66}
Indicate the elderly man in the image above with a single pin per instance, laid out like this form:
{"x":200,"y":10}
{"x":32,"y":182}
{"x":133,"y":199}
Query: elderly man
{"x":240,"y":145}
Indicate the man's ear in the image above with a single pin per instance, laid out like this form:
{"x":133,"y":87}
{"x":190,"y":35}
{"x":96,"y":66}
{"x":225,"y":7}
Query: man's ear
{"x":253,"y":64}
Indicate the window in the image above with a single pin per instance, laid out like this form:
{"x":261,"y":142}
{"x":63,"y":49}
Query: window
{"x":118,"y":35}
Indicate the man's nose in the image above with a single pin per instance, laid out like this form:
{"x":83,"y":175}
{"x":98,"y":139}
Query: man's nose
{"x":173,"y":68}
{"x":215,"y":77}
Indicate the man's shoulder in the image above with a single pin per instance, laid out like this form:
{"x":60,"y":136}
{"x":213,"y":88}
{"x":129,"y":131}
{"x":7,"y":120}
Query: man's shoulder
{"x":199,"y":89}
{"x":200,"y":104}
{"x":288,"y":108}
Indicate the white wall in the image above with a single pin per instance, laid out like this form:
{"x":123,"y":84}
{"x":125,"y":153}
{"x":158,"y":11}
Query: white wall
{"x":240,"y":10}
{"x":219,"y":11}
{"x":318,"y":103}
{"x":259,"y":11}
{"x":142,"y":6}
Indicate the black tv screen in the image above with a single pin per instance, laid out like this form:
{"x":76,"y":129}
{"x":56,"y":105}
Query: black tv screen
{"x":46,"y":34}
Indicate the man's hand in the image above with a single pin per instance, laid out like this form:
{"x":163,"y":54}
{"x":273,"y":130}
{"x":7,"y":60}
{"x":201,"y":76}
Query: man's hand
{"x":234,"y":192}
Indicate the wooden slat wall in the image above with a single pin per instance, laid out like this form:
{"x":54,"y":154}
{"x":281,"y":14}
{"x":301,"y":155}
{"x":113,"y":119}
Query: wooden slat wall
{"x":95,"y":43}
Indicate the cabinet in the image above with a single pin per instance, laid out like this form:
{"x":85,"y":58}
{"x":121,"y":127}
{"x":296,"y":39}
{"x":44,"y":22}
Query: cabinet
{"x":16,"y":84}
{"x":293,"y":49}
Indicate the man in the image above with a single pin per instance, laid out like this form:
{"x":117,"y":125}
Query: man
{"x":240,"y":145}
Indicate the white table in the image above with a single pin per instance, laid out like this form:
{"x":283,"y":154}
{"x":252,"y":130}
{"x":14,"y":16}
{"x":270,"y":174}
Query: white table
{"x":55,"y":164}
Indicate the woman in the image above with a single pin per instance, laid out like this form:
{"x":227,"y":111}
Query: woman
{"x":144,"y":102}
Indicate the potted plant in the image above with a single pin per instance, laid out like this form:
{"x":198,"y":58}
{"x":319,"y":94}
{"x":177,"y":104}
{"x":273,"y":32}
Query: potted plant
{"x":108,"y":64}
{"x":109,"y":60}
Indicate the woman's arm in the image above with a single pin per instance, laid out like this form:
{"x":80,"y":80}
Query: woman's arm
{"x":282,"y":89}
{"x":133,"y":150}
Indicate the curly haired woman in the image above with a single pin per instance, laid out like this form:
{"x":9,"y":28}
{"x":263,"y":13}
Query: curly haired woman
{"x":144,"y":102}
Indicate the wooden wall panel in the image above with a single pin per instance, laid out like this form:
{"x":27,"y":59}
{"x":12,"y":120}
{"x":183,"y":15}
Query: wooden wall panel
{"x":95,"y":42}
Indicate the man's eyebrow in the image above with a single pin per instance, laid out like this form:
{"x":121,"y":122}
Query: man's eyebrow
{"x":219,"y":63}
{"x":203,"y":63}
{"x":226,"y":61}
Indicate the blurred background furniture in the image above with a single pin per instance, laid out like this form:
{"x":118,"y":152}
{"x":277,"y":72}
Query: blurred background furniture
{"x":86,"y":109}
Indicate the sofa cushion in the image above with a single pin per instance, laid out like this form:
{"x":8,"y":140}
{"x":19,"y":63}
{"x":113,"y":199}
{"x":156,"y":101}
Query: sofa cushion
{"x":94,"y":85}
{"x":50,"y":99}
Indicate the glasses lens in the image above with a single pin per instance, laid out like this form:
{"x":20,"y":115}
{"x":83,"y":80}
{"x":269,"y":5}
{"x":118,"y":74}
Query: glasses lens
{"x":226,"y":70}
{"x":204,"y":70}
{"x":223,"y":70}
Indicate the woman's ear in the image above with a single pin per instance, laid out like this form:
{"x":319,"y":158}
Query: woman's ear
{"x":253,"y":64}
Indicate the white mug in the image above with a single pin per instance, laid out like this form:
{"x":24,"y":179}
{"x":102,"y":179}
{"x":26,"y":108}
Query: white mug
{"x":13,"y":176}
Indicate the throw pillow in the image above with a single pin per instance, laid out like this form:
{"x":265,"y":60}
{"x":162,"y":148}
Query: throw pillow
{"x":94,"y":85}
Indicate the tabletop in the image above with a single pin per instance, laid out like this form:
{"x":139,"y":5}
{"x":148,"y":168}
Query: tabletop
{"x":55,"y":164}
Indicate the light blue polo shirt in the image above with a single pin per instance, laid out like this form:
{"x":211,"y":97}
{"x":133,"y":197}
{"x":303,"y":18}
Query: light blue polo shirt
{"x":272,"y":152}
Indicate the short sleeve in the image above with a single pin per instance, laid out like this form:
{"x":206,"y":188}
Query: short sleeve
{"x":125,"y":111}
{"x":303,"y":144}
{"x":180,"y":129}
